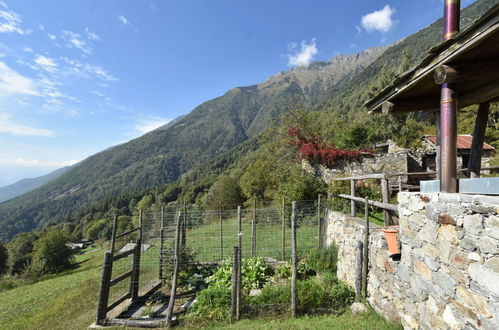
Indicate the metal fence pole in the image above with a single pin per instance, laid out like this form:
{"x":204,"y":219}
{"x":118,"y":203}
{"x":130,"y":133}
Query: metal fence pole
{"x":233,"y":296}
{"x":134,"y":282}
{"x":366,"y":250}
{"x":162,"y":243}
{"x":352,"y":193}
{"x":184,"y":225}
{"x":107,"y":268}
{"x":239,"y":230}
{"x":385,"y":191}
{"x":221,"y":234}
{"x":319,"y":223}
{"x":253,"y":230}
{"x":173,"y":291}
{"x":113,"y":234}
{"x":283,"y":230}
{"x":294,"y":264}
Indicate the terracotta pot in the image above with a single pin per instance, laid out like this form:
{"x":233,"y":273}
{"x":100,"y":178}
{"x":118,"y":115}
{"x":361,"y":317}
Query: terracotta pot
{"x":391,"y":236}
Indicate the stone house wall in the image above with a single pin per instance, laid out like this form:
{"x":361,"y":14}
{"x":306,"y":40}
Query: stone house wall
{"x":448,"y":273}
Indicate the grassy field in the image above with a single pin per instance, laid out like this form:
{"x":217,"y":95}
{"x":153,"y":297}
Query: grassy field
{"x":68,"y":301}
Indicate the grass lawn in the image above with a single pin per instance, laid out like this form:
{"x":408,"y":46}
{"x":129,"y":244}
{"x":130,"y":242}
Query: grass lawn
{"x":369,"y":320}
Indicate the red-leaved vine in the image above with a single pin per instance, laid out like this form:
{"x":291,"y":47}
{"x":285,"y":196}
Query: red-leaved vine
{"x":312,"y":149}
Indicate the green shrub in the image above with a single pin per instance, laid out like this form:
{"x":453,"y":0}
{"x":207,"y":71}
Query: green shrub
{"x":283,"y":272}
{"x":323,"y":260}
{"x":341,"y":295}
{"x":212,"y":303}
{"x":304,"y":271}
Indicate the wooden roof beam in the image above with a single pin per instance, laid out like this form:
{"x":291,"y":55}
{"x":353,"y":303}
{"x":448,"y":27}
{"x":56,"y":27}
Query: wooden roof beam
{"x":466,"y":71}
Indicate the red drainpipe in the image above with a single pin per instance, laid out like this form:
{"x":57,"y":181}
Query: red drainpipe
{"x":448,"y":108}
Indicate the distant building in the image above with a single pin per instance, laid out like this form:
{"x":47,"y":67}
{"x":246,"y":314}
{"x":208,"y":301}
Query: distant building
{"x":463,"y":152}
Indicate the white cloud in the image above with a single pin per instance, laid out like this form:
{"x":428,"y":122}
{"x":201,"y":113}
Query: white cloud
{"x":8,"y":126}
{"x":123,"y":20}
{"x":41,"y":27}
{"x":11,"y":22}
{"x":304,"y":55}
{"x":27,"y":50}
{"x":35,"y":162}
{"x":379,"y":20}
{"x":46,"y":63}
{"x":86,"y":70}
{"x":51,"y":36}
{"x":145,"y":125}
{"x":12,"y":83}
{"x":3,"y":4}
{"x":91,"y":35}
{"x":75,"y":40}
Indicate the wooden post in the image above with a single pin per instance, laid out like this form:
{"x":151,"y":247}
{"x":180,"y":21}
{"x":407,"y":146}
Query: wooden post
{"x":173,"y":291}
{"x":385,"y":191}
{"x":113,"y":235}
{"x":221,"y":233}
{"x":366,"y":250}
{"x":352,"y":193}
{"x":253,"y":230}
{"x":358,"y":270}
{"x":107,"y":269}
{"x":162,"y":243}
{"x":475,"y":162}
{"x":400,"y":183}
{"x":233,"y":296}
{"x":184,"y":225}
{"x":239,"y":230}
{"x":294,"y":264}
{"x":283,"y":230}
{"x":134,"y":282}
{"x":319,"y":223}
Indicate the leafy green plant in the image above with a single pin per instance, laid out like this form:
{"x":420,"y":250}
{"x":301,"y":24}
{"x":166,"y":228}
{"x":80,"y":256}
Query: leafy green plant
{"x":304,"y":271}
{"x":283,"y":272}
{"x":341,"y":295}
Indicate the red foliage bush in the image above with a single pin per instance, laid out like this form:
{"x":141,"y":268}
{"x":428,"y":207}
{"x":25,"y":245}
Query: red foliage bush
{"x":313,"y":150}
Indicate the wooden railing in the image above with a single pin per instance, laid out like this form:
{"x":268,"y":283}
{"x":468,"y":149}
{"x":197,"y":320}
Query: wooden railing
{"x":385,"y":193}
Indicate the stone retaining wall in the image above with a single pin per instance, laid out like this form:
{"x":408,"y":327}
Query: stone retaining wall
{"x":448,"y":273}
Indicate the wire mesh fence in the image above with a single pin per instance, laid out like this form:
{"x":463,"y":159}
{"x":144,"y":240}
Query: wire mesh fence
{"x":206,"y":241}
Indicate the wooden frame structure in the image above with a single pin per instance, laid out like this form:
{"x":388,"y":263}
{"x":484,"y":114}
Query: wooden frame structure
{"x":462,"y":70}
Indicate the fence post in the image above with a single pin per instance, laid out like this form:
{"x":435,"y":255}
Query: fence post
{"x":184,"y":225}
{"x":221,"y":234}
{"x":400,"y":183}
{"x":239,"y":230}
{"x":233,"y":295}
{"x":161,"y":243}
{"x":283,"y":230}
{"x":319,"y":223}
{"x":366,"y":250}
{"x":293,"y":260}
{"x":173,"y":291}
{"x":385,"y":191}
{"x":352,"y":193}
{"x":107,"y":269}
{"x":253,"y":230}
{"x":134,"y":282}
{"x":113,"y":237}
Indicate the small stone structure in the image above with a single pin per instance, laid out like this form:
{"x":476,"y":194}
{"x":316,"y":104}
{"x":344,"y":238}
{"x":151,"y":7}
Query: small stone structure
{"x":447,"y":276}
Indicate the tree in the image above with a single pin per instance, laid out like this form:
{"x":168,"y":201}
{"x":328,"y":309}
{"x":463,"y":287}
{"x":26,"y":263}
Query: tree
{"x":225,"y":191}
{"x":3,"y":259}
{"x":51,"y":251}
{"x":19,"y":250}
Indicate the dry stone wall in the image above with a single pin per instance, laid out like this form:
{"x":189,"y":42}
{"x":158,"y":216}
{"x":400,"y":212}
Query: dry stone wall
{"x":447,"y":276}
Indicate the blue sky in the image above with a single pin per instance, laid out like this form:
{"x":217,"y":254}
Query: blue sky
{"x":79,"y":76}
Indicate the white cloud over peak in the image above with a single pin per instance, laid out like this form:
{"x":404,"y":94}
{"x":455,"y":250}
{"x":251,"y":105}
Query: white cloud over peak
{"x":35,"y":162}
{"x":46,"y":63}
{"x":304,"y":55}
{"x":11,"y":22}
{"x":87,"y":70}
{"x":379,"y":20}
{"x":10,"y":127}
{"x":13,"y":83}
{"x":123,"y":20}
